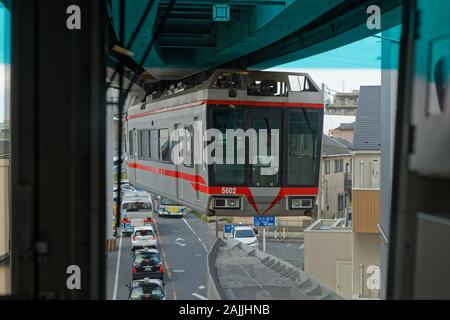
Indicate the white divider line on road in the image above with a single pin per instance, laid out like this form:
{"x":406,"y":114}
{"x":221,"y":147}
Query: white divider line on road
{"x":116,"y":280}
{"x":199,"y":296}
{"x":195,"y":234}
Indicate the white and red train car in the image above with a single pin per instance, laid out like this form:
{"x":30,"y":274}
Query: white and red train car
{"x":289,"y":102}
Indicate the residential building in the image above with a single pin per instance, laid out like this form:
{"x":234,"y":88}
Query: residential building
{"x":344,"y":131}
{"x":366,"y":191}
{"x":328,"y":254}
{"x":344,"y":253}
{"x":344,"y":103}
{"x":335,"y":178}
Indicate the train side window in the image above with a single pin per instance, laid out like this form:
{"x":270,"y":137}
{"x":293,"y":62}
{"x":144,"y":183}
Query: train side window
{"x":149,"y":144}
{"x":130,"y":143}
{"x":266,"y":87}
{"x":189,"y":145}
{"x":299,"y":83}
{"x":154,"y":144}
{"x":164,"y":145}
{"x":144,"y":150}
{"x":227,"y":81}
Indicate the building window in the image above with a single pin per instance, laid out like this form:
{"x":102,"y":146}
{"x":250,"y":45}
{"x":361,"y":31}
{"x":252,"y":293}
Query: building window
{"x":361,"y":174}
{"x":375,"y":179}
{"x":327,"y":166}
{"x":340,"y":201}
{"x":348,"y":168}
{"x":338,"y":166}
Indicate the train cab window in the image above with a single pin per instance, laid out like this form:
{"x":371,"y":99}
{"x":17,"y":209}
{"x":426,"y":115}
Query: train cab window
{"x":268,"y":120}
{"x":266,"y":87}
{"x":227,"y":81}
{"x":223,"y":118}
{"x":300,"y":83}
{"x":164,"y":145}
{"x":302,"y":147}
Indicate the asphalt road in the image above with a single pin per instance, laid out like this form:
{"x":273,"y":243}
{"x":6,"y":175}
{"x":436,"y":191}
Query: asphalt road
{"x":183,"y":245}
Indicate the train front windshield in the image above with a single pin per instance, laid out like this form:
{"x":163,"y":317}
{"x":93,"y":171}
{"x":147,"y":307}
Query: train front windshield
{"x":292,"y":140}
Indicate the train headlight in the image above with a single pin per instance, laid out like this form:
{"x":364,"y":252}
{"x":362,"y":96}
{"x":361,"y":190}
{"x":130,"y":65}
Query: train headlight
{"x":301,"y":203}
{"x":226,"y":203}
{"x":233,"y":202}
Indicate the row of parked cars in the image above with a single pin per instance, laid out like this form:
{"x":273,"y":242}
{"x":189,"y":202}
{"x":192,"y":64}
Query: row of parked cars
{"x":137,"y":220}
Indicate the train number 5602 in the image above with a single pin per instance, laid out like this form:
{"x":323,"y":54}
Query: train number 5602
{"x":228,"y":190}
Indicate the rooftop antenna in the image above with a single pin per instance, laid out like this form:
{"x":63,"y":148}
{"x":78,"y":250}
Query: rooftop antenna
{"x":343,"y":85}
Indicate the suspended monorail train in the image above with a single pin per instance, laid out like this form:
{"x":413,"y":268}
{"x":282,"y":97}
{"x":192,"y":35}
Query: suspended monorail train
{"x":281,"y":181}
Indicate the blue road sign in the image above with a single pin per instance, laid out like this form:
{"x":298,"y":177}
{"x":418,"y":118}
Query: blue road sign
{"x":228,"y":228}
{"x":264,"y":221}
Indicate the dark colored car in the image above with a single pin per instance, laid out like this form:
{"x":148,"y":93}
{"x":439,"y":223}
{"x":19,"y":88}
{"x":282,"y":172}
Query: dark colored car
{"x":147,"y":263}
{"x":147,"y":289}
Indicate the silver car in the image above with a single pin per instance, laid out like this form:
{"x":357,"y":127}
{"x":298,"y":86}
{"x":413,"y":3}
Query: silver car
{"x":143,"y":237}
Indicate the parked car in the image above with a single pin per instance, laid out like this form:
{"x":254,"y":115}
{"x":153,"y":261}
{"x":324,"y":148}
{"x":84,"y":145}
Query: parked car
{"x":167,"y":207}
{"x":245,"y":234}
{"x":147,"y":263}
{"x":147,"y":289}
{"x":143,"y":237}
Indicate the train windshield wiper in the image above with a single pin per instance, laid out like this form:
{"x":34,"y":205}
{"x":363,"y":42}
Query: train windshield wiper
{"x":305,"y":114}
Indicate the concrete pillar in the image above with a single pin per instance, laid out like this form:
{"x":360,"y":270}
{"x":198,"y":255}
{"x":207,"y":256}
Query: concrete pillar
{"x":111,"y":98}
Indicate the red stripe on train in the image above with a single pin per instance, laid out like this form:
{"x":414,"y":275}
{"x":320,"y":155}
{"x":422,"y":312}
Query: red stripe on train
{"x":169,"y":173}
{"x":218,"y":190}
{"x":284,"y":191}
{"x":291,"y":191}
{"x":198,"y":183}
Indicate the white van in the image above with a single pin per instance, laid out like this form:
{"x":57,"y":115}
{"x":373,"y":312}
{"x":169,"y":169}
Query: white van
{"x":137,"y":210}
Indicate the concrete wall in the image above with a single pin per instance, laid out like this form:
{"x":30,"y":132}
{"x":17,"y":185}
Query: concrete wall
{"x":322,"y":250}
{"x":366,"y":252}
{"x":5,"y":281}
{"x":366,"y":157}
{"x":331,"y":185}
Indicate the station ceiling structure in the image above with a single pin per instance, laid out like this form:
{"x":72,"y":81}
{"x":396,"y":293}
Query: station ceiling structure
{"x":172,"y":39}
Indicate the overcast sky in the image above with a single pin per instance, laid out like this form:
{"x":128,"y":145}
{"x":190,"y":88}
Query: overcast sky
{"x":342,"y":69}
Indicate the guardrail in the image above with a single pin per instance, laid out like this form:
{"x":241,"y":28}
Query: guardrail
{"x":250,"y":272}
{"x":215,"y":291}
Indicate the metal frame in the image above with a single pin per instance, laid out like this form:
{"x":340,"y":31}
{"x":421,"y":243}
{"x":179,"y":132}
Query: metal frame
{"x":58,"y":154}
